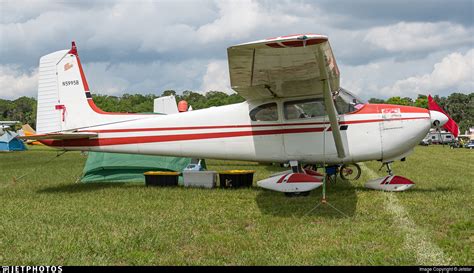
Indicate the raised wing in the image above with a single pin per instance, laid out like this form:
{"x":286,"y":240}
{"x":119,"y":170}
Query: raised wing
{"x":286,"y":66}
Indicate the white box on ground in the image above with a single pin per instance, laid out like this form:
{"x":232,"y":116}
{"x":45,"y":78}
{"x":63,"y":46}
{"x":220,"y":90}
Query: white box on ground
{"x":205,"y":179}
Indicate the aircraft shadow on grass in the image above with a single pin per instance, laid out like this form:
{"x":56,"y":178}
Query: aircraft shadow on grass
{"x":341,"y":195}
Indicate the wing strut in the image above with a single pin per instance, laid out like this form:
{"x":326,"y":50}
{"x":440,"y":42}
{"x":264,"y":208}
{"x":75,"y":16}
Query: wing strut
{"x":330,"y":107}
{"x":331,"y":110}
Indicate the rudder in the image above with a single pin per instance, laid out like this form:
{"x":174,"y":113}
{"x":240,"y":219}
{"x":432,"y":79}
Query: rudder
{"x":64,"y":100}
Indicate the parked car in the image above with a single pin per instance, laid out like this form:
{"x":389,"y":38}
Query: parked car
{"x":425,"y":142}
{"x":470,"y":144}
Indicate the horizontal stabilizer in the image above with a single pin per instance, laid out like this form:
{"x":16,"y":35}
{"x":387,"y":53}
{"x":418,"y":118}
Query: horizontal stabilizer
{"x":60,"y":136}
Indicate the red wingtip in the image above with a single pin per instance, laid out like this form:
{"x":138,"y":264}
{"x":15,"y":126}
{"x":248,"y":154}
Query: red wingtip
{"x":73,"y":48}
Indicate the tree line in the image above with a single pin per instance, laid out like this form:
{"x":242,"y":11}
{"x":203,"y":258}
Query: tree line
{"x":138,"y":103}
{"x":458,"y":105}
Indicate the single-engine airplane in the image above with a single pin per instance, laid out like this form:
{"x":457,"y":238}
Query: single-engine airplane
{"x":295,"y":111}
{"x":5,"y":125}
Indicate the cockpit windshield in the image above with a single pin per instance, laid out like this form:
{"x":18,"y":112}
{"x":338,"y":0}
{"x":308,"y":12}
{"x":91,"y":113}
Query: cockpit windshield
{"x":347,"y":102}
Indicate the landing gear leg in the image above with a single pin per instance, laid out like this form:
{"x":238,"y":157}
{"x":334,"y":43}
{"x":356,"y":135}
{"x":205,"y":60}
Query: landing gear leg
{"x":295,"y":166}
{"x":389,"y":168}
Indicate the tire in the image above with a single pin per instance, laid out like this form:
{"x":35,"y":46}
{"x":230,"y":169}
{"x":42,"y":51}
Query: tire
{"x":305,"y":193}
{"x":349,"y":172}
{"x":297,"y":194}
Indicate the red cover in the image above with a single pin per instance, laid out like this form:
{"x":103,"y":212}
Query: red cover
{"x":451,"y":125}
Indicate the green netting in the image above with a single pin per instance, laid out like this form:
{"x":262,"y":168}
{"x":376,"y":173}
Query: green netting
{"x":115,"y":167}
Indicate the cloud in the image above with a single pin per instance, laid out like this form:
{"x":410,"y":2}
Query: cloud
{"x":15,"y":83}
{"x":418,"y":36}
{"x":150,"y":29}
{"x":146,"y":78}
{"x":455,"y":72}
{"x":152,"y":45}
{"x":217,"y":77}
{"x":368,"y":13}
{"x":21,"y":11}
{"x":237,"y":19}
{"x":115,"y":29}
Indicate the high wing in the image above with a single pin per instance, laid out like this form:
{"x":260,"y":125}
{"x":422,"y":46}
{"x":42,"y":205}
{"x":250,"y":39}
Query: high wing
{"x":286,"y":66}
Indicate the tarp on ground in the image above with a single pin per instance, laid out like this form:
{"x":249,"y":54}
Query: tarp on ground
{"x":116,"y":167}
{"x":9,"y":141}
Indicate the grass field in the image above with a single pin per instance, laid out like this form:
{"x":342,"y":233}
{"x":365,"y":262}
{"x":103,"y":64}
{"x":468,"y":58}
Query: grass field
{"x":47,"y":218}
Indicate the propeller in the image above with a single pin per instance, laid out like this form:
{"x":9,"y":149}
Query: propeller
{"x":436,"y":125}
{"x":438,"y":119}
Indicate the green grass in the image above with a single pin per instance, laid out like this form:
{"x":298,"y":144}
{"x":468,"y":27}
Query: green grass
{"x":47,"y":218}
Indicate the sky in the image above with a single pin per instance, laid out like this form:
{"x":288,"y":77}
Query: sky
{"x":383,"y":48}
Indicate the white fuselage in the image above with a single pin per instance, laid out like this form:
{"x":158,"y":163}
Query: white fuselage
{"x":227,"y":132}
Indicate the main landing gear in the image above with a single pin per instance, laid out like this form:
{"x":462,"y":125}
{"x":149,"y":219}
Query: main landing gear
{"x":347,"y":172}
{"x":294,"y":182}
{"x":297,"y":168}
{"x":299,"y":181}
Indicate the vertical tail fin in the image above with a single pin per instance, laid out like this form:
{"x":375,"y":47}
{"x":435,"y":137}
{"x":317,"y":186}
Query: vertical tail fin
{"x":64,"y":99}
{"x":48,"y":119}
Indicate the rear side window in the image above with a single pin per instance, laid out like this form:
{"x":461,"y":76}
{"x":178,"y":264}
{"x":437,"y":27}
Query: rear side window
{"x":303,"y":109}
{"x":265,"y":112}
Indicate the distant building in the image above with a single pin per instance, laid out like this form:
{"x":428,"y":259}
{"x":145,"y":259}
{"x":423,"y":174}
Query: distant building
{"x":468,"y":134}
{"x":442,"y":137}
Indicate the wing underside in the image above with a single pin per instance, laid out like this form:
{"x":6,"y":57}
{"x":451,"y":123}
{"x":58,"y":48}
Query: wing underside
{"x":286,"y":66}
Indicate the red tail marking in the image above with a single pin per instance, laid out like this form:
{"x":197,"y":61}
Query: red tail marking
{"x":63,"y":108}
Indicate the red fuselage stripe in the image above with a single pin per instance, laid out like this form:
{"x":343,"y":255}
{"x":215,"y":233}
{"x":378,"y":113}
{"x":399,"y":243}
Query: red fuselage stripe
{"x":236,"y":126}
{"x":167,"y":138}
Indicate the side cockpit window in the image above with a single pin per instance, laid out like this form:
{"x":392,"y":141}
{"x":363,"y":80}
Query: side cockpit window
{"x":303,"y":109}
{"x":346,"y":102}
{"x":265,"y":112}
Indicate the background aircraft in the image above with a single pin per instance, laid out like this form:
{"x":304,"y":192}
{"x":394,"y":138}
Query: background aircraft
{"x":5,"y":125}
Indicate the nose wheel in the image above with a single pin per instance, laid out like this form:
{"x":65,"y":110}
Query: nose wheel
{"x":388,"y":166}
